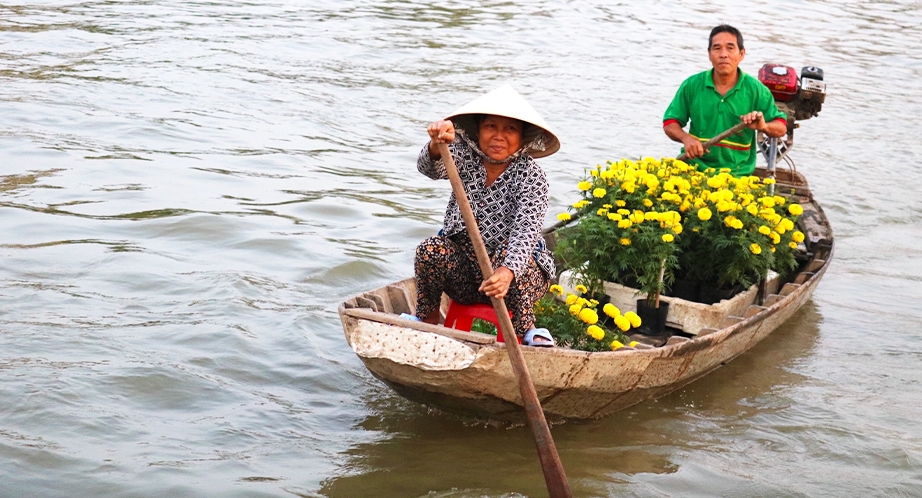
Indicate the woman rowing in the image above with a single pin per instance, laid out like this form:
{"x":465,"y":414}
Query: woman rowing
{"x":493,"y":141}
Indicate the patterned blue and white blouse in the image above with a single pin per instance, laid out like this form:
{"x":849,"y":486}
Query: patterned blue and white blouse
{"x":509,"y":212}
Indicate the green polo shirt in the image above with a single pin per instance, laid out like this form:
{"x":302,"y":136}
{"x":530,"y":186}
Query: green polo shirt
{"x":712,"y":113}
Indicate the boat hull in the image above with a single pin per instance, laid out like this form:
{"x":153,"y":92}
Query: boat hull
{"x":470,"y":373}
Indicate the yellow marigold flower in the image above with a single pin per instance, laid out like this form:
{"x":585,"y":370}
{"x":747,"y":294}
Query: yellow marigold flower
{"x":625,"y":242}
{"x":593,"y":302}
{"x":623,"y":323}
{"x":615,"y":345}
{"x":737,"y":224}
{"x":596,"y":332}
{"x":768,"y":181}
{"x":556,"y":289}
{"x":611,"y":310}
{"x":614,"y":216}
{"x":564,"y":217}
{"x":589,"y":316}
{"x":723,"y":206}
{"x":704,"y":214}
{"x":602,"y":212}
{"x":581,"y":204}
{"x":755,"y":248}
{"x":729,"y":220}
{"x":624,"y":224}
{"x":668,"y":237}
{"x":677,"y":228}
{"x":594,"y":172}
{"x":767,"y":202}
{"x":647,"y":203}
{"x":606,"y":206}
{"x":685,"y":206}
{"x":599,"y":193}
{"x":620,"y":203}
{"x":633,"y":344}
{"x":571,"y":299}
{"x":775,"y":238}
{"x":623,"y":212}
{"x":575,"y":309}
{"x":651,"y":216}
{"x":796,"y":209}
{"x":764,"y":230}
{"x":787,"y":224}
{"x":581,"y":289}
{"x":779,"y":201}
{"x":629,"y":187}
{"x":797,"y":236}
{"x":584,"y":185}
{"x":633,"y":319}
{"x":792,"y":245}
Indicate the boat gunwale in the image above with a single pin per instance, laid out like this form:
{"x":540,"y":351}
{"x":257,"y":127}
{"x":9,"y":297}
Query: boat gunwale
{"x":691,"y":343}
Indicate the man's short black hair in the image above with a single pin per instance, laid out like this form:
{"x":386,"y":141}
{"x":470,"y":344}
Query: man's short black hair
{"x":726,"y":28}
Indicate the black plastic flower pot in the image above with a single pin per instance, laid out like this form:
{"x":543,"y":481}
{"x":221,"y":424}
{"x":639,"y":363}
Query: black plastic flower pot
{"x":688,"y":290}
{"x":712,"y":295}
{"x":652,"y":319}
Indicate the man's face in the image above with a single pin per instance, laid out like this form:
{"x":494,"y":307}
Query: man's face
{"x":725,"y":54}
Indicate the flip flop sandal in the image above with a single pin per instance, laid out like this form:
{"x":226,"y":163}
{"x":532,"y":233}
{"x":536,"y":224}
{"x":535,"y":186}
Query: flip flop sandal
{"x":539,"y":338}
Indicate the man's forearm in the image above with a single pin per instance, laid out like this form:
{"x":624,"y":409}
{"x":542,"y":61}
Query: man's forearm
{"x":675,"y":132}
{"x":776,"y":128}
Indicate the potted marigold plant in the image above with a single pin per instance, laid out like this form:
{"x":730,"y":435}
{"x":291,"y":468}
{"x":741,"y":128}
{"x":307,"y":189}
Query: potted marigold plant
{"x":645,"y":223}
{"x":627,"y":233}
{"x":576,"y":323}
{"x":736,"y":232}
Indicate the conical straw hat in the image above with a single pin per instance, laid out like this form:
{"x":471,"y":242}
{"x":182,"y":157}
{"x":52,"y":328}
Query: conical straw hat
{"x":505,"y":101}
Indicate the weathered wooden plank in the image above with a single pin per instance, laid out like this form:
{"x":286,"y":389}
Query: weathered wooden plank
{"x":788,"y":288}
{"x":803,"y":277}
{"x":814,"y":265}
{"x":754,"y":310}
{"x":374,"y":316}
{"x":771,"y":300}
{"x":378,"y":300}
{"x":400,"y":301}
{"x":677,"y":339}
{"x":730,"y":321}
{"x":364,"y":302}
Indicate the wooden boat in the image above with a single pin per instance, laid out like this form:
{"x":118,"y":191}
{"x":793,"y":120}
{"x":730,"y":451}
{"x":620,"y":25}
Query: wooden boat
{"x":470,"y":373}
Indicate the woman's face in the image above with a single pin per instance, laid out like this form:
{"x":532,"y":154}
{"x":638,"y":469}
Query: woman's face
{"x":499,"y":136}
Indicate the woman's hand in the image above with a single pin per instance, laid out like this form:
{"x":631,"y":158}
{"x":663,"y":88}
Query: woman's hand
{"x":498,"y":284}
{"x":440,"y":132}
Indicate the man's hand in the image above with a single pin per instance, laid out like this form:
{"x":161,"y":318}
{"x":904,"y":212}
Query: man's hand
{"x":498,"y":284}
{"x":693,"y":147}
{"x":754,"y":121}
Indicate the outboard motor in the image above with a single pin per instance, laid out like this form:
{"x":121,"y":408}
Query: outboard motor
{"x":799,"y":98}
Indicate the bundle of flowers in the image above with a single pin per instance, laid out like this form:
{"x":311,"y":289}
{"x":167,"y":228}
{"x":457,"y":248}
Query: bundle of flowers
{"x":644,"y":223}
{"x":576,"y":323}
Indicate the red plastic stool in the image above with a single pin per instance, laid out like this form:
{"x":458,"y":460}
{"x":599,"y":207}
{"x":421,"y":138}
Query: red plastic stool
{"x":461,"y":317}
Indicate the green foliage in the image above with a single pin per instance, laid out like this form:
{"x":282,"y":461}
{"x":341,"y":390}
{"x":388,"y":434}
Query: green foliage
{"x":579,"y":325}
{"x":643,"y":223}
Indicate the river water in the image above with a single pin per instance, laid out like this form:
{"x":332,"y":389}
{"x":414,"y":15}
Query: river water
{"x":189,"y":188}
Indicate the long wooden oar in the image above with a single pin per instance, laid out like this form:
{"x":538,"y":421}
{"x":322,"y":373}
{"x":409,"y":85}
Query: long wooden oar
{"x":554,"y":476}
{"x":735,"y":129}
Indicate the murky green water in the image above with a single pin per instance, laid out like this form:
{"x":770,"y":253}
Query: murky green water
{"x":188,"y":189}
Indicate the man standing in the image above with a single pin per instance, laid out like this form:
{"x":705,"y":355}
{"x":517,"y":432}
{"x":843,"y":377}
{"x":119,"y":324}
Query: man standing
{"x":716,"y":100}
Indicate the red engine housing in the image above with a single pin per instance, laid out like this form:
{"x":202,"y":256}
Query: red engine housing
{"x":781,"y":80}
